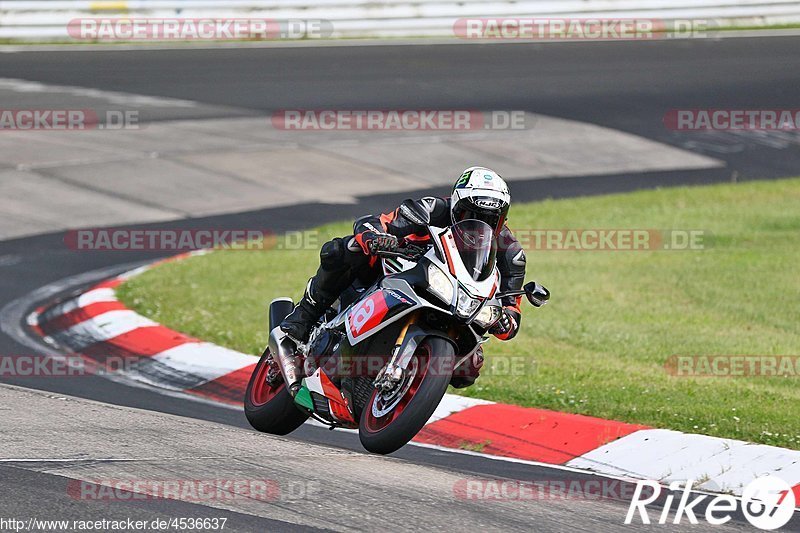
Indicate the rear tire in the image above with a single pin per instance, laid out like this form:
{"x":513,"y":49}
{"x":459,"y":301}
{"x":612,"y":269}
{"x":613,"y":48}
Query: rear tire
{"x":391,"y":431}
{"x":270,"y":408}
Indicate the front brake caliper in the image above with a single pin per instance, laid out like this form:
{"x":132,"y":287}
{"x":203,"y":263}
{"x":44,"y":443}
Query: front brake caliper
{"x":389,"y":378}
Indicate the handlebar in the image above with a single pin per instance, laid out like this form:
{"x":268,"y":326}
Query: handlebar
{"x":410,"y":252}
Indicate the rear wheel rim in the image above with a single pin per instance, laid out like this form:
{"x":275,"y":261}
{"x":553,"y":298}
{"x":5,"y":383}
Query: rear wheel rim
{"x":374,"y":424}
{"x":262,"y":391}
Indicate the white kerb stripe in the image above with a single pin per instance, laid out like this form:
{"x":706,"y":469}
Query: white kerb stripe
{"x":452,"y":404}
{"x":665,"y":455}
{"x":106,"y":326}
{"x":104,"y":294}
{"x":92,"y":297}
{"x":204,"y":359}
{"x":754,"y":460}
{"x":125,"y":276}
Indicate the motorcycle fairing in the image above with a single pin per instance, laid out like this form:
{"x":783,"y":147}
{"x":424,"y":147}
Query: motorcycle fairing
{"x":395,"y":265}
{"x":382,"y":306}
{"x":323,"y":393}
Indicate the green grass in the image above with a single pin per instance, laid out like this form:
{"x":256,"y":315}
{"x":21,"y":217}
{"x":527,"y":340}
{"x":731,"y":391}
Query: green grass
{"x":615,"y":317}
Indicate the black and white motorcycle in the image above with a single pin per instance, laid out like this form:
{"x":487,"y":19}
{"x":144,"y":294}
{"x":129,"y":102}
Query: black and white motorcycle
{"x":381,"y":359}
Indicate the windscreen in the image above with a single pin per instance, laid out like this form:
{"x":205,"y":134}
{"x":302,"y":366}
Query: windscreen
{"x":477,"y":247}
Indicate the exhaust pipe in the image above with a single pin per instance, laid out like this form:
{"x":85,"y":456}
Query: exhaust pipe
{"x":284,"y":351}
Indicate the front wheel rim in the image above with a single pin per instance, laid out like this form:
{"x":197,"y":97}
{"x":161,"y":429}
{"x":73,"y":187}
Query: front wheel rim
{"x":420,"y":364}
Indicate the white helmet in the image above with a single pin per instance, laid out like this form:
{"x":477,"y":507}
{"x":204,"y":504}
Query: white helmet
{"x":480,"y":194}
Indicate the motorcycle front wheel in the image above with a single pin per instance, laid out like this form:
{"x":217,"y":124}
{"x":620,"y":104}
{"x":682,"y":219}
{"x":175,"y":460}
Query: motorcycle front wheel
{"x":390,"y":420}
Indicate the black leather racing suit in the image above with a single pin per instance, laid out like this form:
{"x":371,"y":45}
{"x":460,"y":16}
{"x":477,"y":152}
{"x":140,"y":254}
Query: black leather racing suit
{"x":343,"y":260}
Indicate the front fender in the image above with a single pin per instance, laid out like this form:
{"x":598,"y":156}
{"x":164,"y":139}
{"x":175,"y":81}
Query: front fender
{"x":412,"y":340}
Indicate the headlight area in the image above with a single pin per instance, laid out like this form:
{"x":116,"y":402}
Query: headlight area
{"x":440,"y":284}
{"x":488,"y":316}
{"x":466,"y":304}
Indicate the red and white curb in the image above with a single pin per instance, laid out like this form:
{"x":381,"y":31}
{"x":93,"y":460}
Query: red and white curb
{"x":98,"y":326}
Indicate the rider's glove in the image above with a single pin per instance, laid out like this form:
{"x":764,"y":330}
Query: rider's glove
{"x":507,"y":326}
{"x":379,"y":242}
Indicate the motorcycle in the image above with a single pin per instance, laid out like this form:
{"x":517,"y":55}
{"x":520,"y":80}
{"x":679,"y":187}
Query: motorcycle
{"x":381,"y":358}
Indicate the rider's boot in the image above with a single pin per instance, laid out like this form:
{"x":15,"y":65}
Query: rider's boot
{"x":307,"y":311}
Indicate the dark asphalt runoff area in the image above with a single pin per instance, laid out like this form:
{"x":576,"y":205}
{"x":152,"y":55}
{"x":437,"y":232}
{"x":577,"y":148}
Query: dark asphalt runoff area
{"x":624,"y":85}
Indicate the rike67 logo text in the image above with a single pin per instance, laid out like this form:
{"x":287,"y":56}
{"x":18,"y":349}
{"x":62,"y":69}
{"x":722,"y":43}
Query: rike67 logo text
{"x":767,"y":503}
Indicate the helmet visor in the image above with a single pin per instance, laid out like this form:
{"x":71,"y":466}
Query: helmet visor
{"x":477,"y":247}
{"x":493,"y":212}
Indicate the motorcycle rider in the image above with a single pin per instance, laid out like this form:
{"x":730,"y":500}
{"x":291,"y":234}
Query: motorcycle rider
{"x":479,"y":193}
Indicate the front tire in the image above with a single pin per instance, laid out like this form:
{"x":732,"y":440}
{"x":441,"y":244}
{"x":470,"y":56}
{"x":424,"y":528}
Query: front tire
{"x":383,"y":429}
{"x":269,"y":407}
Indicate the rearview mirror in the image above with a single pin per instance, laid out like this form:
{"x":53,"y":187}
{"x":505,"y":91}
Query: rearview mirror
{"x":415,"y":213}
{"x":537,"y":294}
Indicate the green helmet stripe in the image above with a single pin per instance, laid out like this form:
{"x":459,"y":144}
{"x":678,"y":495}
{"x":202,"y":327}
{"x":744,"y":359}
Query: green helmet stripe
{"x":464,"y":179}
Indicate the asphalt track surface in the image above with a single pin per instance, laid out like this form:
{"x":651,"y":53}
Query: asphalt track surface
{"x":623,"y":85}
{"x":35,"y":490}
{"x":628,"y":86}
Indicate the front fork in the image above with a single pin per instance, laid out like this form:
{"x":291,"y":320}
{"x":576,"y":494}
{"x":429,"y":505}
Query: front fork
{"x":393,"y":373}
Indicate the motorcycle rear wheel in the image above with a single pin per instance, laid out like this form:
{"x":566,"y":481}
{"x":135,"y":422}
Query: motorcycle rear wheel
{"x":269,"y":407}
